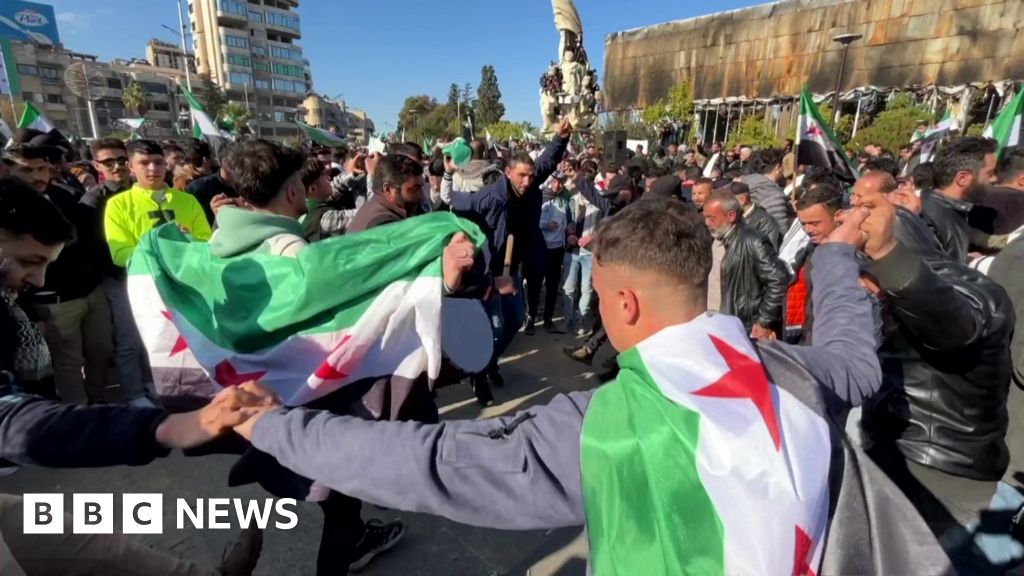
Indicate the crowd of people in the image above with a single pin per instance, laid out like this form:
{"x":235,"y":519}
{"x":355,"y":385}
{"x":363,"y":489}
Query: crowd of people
{"x":895,"y":294}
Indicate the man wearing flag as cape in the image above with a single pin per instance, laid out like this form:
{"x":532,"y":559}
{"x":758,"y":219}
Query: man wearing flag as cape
{"x":706,"y":455}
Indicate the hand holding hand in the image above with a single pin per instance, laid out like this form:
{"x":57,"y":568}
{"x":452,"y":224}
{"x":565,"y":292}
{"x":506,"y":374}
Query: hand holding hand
{"x":229,"y":408}
{"x":762,"y":333}
{"x":879,"y":228}
{"x":504,"y":285}
{"x":457,"y":259}
{"x":848,"y":231}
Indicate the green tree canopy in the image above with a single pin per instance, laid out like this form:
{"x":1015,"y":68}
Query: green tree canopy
{"x":893,"y":127}
{"x":454,"y":95}
{"x":754,"y":131}
{"x":489,"y":108}
{"x":135,"y":98}
{"x":211,"y":96}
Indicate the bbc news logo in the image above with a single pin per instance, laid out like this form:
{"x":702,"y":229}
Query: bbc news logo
{"x":144,"y":513}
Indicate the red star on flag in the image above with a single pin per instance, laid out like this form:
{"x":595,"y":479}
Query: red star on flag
{"x":814,"y":130}
{"x":179,"y":345}
{"x":745,"y":379}
{"x":327,"y":371}
{"x":801,"y":556}
{"x":226,"y":375}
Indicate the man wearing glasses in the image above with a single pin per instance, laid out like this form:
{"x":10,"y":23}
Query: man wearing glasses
{"x":111,"y":160}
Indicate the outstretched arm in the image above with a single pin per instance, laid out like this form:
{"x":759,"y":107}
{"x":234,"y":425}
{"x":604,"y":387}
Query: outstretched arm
{"x":516,"y":473}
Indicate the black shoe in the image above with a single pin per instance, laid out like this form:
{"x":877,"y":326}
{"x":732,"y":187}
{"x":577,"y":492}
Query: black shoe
{"x":242,"y":558}
{"x":551,"y":328}
{"x":482,"y":390}
{"x":379,"y":537}
{"x":581,"y":354}
{"x":496,"y":379}
{"x":530,"y":331}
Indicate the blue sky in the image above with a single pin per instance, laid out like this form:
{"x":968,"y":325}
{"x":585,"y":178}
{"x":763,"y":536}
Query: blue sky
{"x":377,"y":52}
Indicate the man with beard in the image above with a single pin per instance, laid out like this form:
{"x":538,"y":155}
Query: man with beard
{"x":751,"y":277}
{"x":962,"y":170}
{"x":397,"y":193}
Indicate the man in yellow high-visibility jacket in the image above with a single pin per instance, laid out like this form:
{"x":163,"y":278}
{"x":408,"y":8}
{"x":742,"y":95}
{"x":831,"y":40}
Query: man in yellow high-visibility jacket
{"x":148,"y":204}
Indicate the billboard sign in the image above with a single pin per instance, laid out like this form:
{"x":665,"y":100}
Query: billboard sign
{"x":28,"y":22}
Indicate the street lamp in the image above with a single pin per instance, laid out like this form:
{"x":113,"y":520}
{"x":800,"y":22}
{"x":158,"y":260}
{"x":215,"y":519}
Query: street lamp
{"x":845,"y":40}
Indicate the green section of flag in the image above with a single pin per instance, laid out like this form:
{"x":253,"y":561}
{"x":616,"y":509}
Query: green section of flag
{"x":646,"y":510}
{"x":251,"y":302}
{"x":322,"y":137}
{"x":32,"y":118}
{"x":202,"y":124}
{"x":1005,"y":129}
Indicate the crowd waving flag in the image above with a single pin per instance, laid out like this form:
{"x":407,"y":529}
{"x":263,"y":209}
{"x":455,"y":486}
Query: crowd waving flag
{"x":1005,"y":129}
{"x":344,"y":310}
{"x":712,"y":431}
{"x":818,"y":145}
{"x":319,"y":136}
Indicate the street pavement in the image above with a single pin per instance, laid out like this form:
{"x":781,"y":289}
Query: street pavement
{"x":535,"y":370}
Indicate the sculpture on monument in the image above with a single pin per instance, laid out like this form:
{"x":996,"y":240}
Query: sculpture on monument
{"x":569,"y":89}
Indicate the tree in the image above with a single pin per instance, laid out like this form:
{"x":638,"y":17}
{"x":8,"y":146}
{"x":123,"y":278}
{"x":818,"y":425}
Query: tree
{"x":844,"y":129}
{"x":489,"y":108}
{"x":453,"y":96}
{"x":504,"y":131}
{"x":624,"y":121}
{"x":754,"y":131}
{"x":677,"y":108}
{"x":893,"y":127}
{"x":211,"y":96}
{"x":135,"y":98}
{"x":467,"y":95}
{"x":236,"y":115}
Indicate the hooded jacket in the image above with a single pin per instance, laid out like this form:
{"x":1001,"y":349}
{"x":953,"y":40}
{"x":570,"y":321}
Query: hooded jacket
{"x":768,"y":195}
{"x":243,"y":231}
{"x":472,"y":177}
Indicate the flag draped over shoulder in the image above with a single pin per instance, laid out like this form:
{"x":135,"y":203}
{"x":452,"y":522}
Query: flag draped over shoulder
{"x":716,"y":453}
{"x":817,"y":145}
{"x":322,"y":137}
{"x":1005,"y":129}
{"x":344,"y":310}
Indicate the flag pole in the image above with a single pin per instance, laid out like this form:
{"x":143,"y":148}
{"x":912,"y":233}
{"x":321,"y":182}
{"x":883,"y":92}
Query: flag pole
{"x":184,"y":48}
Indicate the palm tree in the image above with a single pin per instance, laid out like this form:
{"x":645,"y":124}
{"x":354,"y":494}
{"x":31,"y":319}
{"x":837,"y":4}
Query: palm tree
{"x":237,"y":115}
{"x":135,"y":98}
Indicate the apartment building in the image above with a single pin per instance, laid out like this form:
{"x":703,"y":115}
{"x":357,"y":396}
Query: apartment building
{"x":249,"y":49}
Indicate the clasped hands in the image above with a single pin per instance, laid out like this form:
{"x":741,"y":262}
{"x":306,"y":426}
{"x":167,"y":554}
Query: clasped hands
{"x":236,"y":408}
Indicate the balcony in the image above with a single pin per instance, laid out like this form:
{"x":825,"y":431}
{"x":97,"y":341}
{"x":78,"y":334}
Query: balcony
{"x":232,"y":12}
{"x":286,"y":24}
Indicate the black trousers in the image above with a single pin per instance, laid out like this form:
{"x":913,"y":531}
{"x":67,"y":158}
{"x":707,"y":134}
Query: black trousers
{"x":551,"y":275}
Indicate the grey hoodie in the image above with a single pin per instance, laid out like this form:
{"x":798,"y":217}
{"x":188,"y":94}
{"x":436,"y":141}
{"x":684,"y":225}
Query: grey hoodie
{"x":471,"y":178}
{"x":242,"y":231}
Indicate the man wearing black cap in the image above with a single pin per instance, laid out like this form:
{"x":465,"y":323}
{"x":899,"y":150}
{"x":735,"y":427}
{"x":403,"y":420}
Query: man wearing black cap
{"x":78,"y":326}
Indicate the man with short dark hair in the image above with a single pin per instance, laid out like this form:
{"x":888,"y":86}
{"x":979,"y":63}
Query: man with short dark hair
{"x":149,"y":203}
{"x":78,"y":325}
{"x":817,"y":209}
{"x":326,"y":216}
{"x":198,"y":163}
{"x":753,"y":280}
{"x":999,"y":211}
{"x":212,"y":191}
{"x":175,"y":156}
{"x":700,"y":190}
{"x":589,"y":458}
{"x":763,"y":175}
{"x":963,"y":168}
{"x":397,"y":193}
{"x":110,"y":158}
{"x":882,"y":164}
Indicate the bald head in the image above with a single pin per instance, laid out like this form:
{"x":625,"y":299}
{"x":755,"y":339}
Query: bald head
{"x":871,"y":184}
{"x":651,"y":267}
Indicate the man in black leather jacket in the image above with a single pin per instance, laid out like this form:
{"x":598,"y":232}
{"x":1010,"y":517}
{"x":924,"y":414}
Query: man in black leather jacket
{"x":754,"y":280}
{"x":939,"y":423}
{"x":963,"y":168}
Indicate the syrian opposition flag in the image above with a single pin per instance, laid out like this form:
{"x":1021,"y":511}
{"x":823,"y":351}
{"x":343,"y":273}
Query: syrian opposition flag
{"x":1005,"y":129}
{"x":932,"y":136}
{"x":202,"y":124}
{"x":348,"y":309}
{"x":322,"y":137}
{"x":32,"y":118}
{"x":696,"y":463}
{"x":817,"y":145}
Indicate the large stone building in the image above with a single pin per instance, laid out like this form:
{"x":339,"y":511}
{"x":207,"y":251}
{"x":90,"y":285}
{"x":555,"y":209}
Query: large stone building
{"x":775,"y":49}
{"x":327,"y":114}
{"x":39,"y":74}
{"x":249,"y":50}
{"x":167,"y":55}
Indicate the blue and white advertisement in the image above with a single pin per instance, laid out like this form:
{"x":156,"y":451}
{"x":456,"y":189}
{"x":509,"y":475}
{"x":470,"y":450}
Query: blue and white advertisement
{"x":28,"y":22}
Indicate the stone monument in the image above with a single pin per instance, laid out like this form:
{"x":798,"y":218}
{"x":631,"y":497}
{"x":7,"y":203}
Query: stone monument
{"x":569,"y":88}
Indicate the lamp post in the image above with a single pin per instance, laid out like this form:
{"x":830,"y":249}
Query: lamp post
{"x":845,"y":40}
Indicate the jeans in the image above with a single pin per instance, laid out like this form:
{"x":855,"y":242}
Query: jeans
{"x":580,"y":268}
{"x":80,"y":335}
{"x":132,"y":359}
{"x":507,"y":313}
